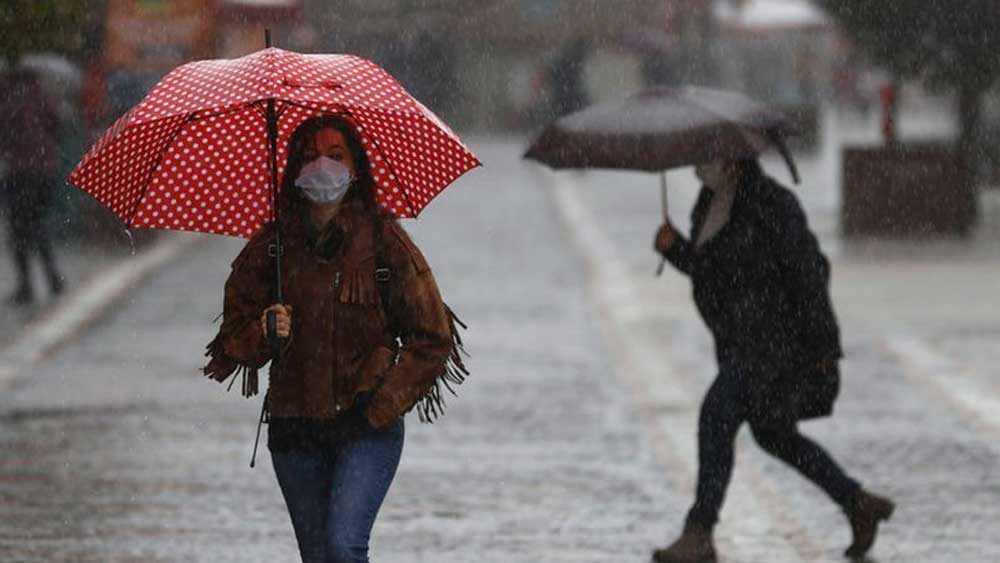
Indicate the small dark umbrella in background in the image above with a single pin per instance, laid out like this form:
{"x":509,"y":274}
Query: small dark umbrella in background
{"x":663,"y":128}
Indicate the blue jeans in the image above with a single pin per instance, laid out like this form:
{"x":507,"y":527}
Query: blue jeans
{"x":333,"y":496}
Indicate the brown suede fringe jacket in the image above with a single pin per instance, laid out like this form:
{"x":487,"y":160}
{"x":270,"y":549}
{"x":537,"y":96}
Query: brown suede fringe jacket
{"x":344,"y":340}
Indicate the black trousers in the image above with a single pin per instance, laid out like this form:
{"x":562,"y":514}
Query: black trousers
{"x":726,"y":406}
{"x":27,"y":201}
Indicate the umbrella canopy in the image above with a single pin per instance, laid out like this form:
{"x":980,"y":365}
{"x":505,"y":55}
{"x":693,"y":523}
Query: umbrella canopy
{"x":195,"y":154}
{"x":662,"y":128}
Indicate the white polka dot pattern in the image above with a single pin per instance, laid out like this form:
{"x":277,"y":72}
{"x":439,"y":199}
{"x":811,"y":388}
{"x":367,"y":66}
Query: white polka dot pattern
{"x":193,"y":154}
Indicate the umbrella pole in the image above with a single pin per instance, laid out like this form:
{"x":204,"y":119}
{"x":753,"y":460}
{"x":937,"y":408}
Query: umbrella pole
{"x":666,"y":217}
{"x":663,"y":195}
{"x":272,"y":319}
{"x":272,"y":335}
{"x":272,"y":145}
{"x":272,"y":142}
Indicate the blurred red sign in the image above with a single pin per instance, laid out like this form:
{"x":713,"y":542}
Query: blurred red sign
{"x":157,"y":35}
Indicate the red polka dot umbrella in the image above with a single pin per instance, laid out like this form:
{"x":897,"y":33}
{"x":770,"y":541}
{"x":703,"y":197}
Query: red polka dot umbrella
{"x":195,"y":154}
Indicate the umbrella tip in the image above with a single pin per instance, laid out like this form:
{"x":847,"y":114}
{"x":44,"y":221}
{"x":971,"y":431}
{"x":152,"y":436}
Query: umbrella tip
{"x":267,"y":37}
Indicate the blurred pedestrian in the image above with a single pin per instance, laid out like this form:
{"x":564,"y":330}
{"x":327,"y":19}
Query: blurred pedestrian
{"x":354,"y":283}
{"x":761,"y":283}
{"x":29,"y":142}
{"x":565,"y":77}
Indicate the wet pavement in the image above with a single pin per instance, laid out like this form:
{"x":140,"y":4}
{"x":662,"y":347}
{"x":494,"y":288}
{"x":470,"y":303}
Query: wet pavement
{"x":574,"y":438}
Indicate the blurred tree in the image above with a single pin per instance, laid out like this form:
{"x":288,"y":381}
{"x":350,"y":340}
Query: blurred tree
{"x":33,"y":26}
{"x":947,"y":44}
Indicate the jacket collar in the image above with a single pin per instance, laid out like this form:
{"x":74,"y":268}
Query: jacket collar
{"x":747,"y":194}
{"x":347,"y":233}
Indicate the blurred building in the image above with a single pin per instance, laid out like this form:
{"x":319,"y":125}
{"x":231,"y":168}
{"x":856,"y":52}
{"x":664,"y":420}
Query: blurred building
{"x":776,"y":50}
{"x":480,"y":64}
{"x":144,"y":39}
{"x":503,"y":64}
{"x":784,"y":52}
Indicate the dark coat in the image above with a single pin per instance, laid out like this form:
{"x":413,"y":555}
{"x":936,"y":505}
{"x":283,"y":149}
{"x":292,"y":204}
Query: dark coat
{"x":29,"y":126}
{"x":761,"y":285}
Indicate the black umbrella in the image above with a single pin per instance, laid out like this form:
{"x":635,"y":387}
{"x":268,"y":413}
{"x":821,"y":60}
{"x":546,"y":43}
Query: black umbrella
{"x":663,"y":128}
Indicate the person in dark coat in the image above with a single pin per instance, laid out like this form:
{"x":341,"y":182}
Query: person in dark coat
{"x":761,"y":283}
{"x":565,"y":78}
{"x":29,"y":132}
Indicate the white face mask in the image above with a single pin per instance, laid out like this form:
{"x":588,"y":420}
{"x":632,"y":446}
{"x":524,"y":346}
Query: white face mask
{"x":324,"y":180}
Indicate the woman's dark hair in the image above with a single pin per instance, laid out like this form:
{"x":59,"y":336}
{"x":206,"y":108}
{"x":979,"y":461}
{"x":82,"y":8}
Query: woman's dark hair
{"x":363,"y":188}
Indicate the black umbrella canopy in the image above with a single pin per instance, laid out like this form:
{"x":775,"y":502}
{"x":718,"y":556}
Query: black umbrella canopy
{"x":662,"y":128}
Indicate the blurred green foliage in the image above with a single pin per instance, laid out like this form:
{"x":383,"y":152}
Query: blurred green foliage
{"x":947,"y":43}
{"x":35,"y":26}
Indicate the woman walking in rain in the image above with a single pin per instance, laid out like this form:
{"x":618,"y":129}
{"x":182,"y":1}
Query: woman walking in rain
{"x":760,"y":283}
{"x":364,"y":337}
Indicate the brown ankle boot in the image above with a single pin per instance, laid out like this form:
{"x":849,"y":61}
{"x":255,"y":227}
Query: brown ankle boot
{"x":864,"y":513}
{"x":694,"y":546}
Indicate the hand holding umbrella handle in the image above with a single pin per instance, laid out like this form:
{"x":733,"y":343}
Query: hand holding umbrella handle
{"x":272,"y":333}
{"x":666,"y":237}
{"x":275,"y":341}
{"x":666,"y":216}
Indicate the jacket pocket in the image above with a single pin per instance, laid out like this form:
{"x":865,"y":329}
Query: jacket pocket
{"x":374,"y":368}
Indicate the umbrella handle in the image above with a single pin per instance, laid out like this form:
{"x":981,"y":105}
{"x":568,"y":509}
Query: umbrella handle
{"x":274,"y":341}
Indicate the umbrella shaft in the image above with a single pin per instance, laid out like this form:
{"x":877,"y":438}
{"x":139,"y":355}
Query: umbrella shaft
{"x":272,"y":144}
{"x":663,"y":195}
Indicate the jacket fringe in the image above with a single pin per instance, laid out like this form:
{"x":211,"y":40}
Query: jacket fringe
{"x":432,"y":405}
{"x":359,"y":287}
{"x":221,"y":366}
